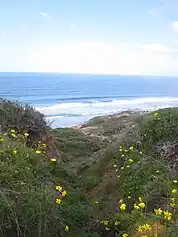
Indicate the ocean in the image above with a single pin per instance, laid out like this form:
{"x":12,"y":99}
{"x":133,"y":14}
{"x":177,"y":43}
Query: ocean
{"x":72,"y":99}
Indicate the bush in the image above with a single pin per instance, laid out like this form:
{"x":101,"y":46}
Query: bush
{"x":160,"y":126}
{"x":21,"y":118}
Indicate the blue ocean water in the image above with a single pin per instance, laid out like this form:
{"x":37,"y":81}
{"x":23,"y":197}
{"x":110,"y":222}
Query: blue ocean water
{"x":71,"y":99}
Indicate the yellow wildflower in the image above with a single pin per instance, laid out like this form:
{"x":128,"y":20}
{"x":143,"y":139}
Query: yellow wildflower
{"x":141,"y":153}
{"x":67,"y":228}
{"x":121,"y":201}
{"x":117,"y":223}
{"x":14,"y":152}
{"x":115,"y":166}
{"x":107,"y":228}
{"x":173,"y":199}
{"x":120,"y":150}
{"x":125,"y":235}
{"x":128,"y":166}
{"x":1,"y":139}
{"x":122,"y":155}
{"x":140,"y":199}
{"x":126,"y":150}
{"x":26,"y":134}
{"x":130,"y":160}
{"x":141,"y":204}
{"x":58,"y":201}
{"x":136,"y":206}
{"x":167,"y":215}
{"x":122,"y":167}
{"x":44,"y":145}
{"x":105,"y":222}
{"x":174,"y":191}
{"x":12,"y":131}
{"x":140,"y":228}
{"x":174,"y":181}
{"x":53,"y":160}
{"x":59,"y":188}
{"x":146,"y":227}
{"x":172,"y":204}
{"x":121,"y":146}
{"x":156,"y":114}
{"x":38,"y":152}
{"x":64,"y":193}
{"x":13,"y":134}
{"x":158,"y":211}
{"x":129,"y":197}
{"x":143,"y":228}
{"x":131,"y":148}
{"x":123,"y":207}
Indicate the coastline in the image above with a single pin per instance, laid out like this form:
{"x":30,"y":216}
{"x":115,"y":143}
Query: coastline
{"x":105,"y":118}
{"x":72,"y":120}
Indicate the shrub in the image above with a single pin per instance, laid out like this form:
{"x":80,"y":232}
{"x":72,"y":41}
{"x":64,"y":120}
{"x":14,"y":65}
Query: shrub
{"x":160,"y":126}
{"x":22,"y":118}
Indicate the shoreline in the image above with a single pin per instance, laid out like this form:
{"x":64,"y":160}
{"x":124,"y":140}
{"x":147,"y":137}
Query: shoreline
{"x":111,"y":115}
{"x":103,"y":118}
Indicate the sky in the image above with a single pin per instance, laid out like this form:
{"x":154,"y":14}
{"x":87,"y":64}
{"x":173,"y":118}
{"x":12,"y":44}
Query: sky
{"x":89,"y":36}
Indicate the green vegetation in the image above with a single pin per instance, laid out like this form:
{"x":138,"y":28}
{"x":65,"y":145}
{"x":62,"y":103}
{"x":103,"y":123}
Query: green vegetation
{"x":115,"y":176}
{"x":74,"y":144}
{"x":22,"y":119}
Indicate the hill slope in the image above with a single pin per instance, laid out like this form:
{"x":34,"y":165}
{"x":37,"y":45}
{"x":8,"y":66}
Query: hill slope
{"x":114,"y":176}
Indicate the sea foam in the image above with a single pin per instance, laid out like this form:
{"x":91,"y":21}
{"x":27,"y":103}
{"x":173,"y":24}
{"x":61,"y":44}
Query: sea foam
{"x":69,"y":114}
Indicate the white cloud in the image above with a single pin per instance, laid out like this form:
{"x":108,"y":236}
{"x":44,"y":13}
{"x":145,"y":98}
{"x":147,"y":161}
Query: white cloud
{"x":89,"y":57}
{"x":157,"y":48}
{"x":45,"y":15}
{"x":175,"y":26}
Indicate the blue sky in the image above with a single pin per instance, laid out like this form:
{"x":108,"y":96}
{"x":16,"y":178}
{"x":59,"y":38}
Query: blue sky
{"x":89,"y":36}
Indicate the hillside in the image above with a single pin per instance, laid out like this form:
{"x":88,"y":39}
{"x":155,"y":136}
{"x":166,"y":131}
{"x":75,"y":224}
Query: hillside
{"x":113,"y":176}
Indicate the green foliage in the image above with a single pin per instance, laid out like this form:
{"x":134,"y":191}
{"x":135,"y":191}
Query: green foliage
{"x":96,"y":176}
{"x":91,"y":181}
{"x":27,"y":195}
{"x":160,"y":126}
{"x":142,"y":176}
{"x":74,"y":143}
{"x":141,"y":173}
{"x":94,"y":121}
{"x":21,"y":118}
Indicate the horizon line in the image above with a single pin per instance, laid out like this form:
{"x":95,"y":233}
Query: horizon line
{"x":88,"y":73}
